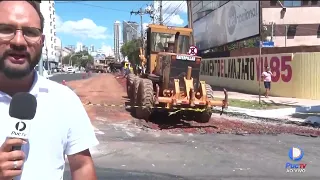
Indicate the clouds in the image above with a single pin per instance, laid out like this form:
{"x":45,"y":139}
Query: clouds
{"x":84,"y":28}
{"x":171,"y":10}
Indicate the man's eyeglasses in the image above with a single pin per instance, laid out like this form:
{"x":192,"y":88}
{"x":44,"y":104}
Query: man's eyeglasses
{"x":31,"y":34}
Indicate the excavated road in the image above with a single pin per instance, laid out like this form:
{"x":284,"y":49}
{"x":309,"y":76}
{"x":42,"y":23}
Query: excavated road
{"x":109,"y":89}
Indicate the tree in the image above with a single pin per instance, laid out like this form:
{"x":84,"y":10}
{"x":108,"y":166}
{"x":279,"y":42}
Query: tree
{"x":131,"y":49}
{"x":80,"y":59}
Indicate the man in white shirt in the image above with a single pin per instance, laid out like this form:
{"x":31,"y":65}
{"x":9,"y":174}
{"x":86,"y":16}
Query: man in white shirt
{"x":59,"y":128}
{"x":266,"y":77}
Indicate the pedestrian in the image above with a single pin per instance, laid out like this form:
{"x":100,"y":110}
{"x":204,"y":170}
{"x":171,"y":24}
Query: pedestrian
{"x":58,"y":130}
{"x":266,"y":77}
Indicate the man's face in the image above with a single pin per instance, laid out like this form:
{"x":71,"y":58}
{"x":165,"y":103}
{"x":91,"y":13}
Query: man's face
{"x":21,"y":53}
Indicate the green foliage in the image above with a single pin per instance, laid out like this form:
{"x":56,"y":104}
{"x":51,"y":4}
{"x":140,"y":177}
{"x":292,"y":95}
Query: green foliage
{"x":81,"y":59}
{"x":131,"y":49}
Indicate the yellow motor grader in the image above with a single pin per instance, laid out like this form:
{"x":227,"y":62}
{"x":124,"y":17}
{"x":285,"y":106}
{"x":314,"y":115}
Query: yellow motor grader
{"x":170,"y":79}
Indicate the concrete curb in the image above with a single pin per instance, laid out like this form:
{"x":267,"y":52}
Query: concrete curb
{"x":272,"y":115}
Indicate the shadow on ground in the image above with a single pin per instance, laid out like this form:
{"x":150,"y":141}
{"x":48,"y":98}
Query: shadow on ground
{"x":117,"y":174}
{"x":163,"y":119}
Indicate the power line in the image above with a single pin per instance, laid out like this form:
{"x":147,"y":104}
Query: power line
{"x":173,"y":13}
{"x":97,"y":6}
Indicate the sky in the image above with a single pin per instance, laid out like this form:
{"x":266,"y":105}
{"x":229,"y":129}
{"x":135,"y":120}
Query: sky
{"x":91,"y":22}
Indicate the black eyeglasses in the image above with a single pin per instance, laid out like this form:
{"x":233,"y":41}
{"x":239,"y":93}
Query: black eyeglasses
{"x":31,"y":34}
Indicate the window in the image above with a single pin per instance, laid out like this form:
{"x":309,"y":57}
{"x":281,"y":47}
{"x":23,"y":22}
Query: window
{"x":292,"y":3}
{"x":54,"y":40}
{"x":318,"y":32}
{"x":159,"y":42}
{"x":54,"y":33}
{"x":292,"y":29}
{"x":49,"y":8}
{"x":51,"y":45}
{"x":50,"y":30}
{"x":50,"y":16}
{"x":53,"y":12}
{"x":52,"y":53}
{"x":54,"y":26}
{"x":51,"y":38}
{"x":50,"y":23}
{"x":54,"y":19}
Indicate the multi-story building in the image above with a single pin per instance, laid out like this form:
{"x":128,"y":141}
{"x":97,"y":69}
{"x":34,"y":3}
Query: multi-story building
{"x":79,"y":47}
{"x":72,"y":47}
{"x":48,"y":11}
{"x":116,"y":37}
{"x":58,"y":50}
{"x":129,"y":31}
{"x":227,"y":25}
{"x":91,"y":48}
{"x":292,"y":23}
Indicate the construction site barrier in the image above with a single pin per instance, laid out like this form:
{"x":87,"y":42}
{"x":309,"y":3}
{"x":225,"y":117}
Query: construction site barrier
{"x":296,"y":75}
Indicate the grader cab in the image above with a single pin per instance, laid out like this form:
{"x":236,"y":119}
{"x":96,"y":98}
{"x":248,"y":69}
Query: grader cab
{"x":171,"y":77}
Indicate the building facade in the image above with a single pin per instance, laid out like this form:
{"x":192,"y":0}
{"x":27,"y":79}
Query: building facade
{"x":48,"y":12}
{"x":116,"y":30}
{"x":228,"y":25}
{"x":292,"y":23}
{"x":129,"y":31}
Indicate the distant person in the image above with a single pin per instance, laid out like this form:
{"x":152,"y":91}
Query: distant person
{"x":266,"y":77}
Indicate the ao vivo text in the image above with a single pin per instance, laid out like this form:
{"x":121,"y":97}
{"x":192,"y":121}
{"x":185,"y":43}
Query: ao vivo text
{"x":296,"y":167}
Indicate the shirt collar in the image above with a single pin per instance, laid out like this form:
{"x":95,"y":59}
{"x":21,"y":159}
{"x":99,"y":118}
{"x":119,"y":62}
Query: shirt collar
{"x":36,"y":88}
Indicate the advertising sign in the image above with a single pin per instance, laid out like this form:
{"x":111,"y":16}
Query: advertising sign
{"x":231,"y":22}
{"x":249,"y":67}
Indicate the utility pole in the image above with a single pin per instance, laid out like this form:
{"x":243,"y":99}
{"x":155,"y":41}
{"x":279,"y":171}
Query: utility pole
{"x":141,"y":12}
{"x":160,"y":13}
{"x":190,"y":21}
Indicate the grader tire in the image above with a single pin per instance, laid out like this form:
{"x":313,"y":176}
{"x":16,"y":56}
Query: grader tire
{"x":145,"y":99}
{"x":204,"y":117}
{"x":134,"y":92}
{"x":130,"y":79}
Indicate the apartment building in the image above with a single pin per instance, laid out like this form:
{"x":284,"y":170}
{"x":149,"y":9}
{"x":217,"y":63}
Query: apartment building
{"x":129,"y":31}
{"x":48,"y":11}
{"x":227,"y":25}
{"x":116,"y":36}
{"x":292,"y":23}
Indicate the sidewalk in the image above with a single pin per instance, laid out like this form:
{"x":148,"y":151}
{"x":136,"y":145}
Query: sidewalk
{"x":302,"y":110}
{"x":275,"y":100}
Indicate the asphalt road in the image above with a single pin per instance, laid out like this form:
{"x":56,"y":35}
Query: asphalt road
{"x":130,"y":153}
{"x":67,"y":77}
{"x":127,"y":152}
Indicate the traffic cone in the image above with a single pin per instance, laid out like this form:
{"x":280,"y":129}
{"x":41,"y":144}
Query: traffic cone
{"x":64,"y":82}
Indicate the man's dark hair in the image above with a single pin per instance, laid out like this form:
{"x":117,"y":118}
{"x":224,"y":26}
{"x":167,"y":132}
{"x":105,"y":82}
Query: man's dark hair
{"x":36,"y":6}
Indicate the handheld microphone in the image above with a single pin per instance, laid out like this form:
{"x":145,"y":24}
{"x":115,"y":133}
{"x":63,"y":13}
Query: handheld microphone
{"x":23,"y":107}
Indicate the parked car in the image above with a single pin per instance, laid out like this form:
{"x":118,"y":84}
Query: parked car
{"x":71,"y":70}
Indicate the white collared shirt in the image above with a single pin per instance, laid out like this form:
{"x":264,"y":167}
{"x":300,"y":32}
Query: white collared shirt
{"x":60,"y":127}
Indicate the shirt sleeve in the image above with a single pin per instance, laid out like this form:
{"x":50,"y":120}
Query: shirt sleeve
{"x":81,"y":135}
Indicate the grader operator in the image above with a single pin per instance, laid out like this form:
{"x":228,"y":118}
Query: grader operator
{"x":170,"y":80}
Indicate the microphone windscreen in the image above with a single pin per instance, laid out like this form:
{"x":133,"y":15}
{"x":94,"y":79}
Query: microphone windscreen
{"x":23,"y":106}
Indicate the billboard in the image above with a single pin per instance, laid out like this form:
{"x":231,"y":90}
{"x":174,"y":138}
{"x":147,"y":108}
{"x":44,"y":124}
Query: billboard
{"x":233,"y":21}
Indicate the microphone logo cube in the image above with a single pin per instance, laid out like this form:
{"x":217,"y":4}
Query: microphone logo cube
{"x":20,"y":128}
